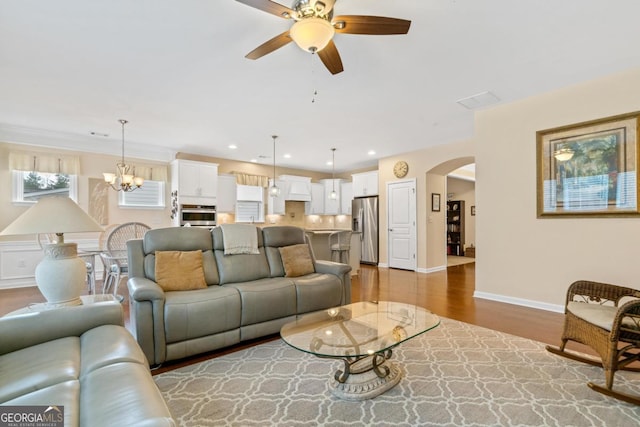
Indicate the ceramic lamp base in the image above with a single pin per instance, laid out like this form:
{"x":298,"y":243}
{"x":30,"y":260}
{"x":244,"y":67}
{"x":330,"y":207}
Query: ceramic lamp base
{"x":60,"y":276}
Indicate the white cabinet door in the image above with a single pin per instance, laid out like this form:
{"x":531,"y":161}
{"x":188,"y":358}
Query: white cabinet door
{"x":316,"y":205}
{"x":195,"y":179}
{"x":276,"y":205}
{"x":208,"y":178}
{"x":346,"y":197}
{"x":331,"y":206}
{"x":226,"y":199}
{"x":365,"y":184}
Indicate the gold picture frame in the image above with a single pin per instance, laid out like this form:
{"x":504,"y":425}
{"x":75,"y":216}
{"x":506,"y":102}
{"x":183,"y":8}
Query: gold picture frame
{"x":589,"y":168}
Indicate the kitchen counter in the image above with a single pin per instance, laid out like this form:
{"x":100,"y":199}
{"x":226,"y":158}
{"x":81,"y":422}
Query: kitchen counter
{"x":319,"y":239}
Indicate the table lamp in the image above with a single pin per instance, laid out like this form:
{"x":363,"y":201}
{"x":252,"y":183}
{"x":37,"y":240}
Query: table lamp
{"x":60,"y":276}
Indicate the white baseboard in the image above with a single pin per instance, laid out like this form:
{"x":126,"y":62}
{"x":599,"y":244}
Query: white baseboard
{"x":432,"y":269}
{"x":520,"y":301}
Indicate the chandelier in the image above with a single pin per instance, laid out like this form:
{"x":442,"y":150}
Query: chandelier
{"x":122,"y":180}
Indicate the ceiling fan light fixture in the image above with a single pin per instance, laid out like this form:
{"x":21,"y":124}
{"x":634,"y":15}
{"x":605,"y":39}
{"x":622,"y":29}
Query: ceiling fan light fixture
{"x":312,"y":34}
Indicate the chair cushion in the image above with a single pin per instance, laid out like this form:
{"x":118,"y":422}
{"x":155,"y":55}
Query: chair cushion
{"x":180,"y":270}
{"x":296,"y":260}
{"x":599,"y":315}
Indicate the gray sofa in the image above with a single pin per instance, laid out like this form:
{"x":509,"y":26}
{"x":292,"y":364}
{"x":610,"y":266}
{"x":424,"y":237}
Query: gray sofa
{"x":82,"y":359}
{"x":247,"y":295}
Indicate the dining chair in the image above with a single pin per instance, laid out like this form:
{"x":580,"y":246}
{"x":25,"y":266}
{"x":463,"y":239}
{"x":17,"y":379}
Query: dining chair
{"x":115,"y":254}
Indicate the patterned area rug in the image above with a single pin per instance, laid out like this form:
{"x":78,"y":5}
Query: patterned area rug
{"x":455,"y":375}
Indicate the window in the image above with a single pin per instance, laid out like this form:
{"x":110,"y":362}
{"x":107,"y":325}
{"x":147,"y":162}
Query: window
{"x":249,"y":211}
{"x":28,"y":187}
{"x":149,"y":196}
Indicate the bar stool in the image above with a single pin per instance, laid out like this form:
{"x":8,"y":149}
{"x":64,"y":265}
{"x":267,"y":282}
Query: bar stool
{"x":339,"y":244}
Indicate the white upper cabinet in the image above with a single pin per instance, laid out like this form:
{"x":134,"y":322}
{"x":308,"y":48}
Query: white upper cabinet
{"x":365,"y":184}
{"x":331,"y":206}
{"x":226,"y":199}
{"x":316,"y":205}
{"x":276,"y":205}
{"x":346,"y":197}
{"x":196,"y":182}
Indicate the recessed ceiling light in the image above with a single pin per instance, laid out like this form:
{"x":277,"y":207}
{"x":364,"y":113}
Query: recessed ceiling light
{"x":287,"y":156}
{"x":254,"y":160}
{"x":371,"y":153}
{"x":329,"y":163}
{"x":233,"y":146}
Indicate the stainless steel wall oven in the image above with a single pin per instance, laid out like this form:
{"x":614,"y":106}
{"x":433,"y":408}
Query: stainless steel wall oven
{"x":198,"y":216}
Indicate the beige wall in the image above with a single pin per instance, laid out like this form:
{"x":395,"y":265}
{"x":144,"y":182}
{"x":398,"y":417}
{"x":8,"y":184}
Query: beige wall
{"x":520,"y":256}
{"x":441,"y":160}
{"x":465,"y":190}
{"x":92,"y":166}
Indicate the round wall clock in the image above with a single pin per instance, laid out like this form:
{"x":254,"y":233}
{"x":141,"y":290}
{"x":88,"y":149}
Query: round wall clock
{"x":400,"y":169}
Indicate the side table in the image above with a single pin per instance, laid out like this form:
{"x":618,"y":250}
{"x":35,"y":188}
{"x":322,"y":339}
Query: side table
{"x":85,"y":300}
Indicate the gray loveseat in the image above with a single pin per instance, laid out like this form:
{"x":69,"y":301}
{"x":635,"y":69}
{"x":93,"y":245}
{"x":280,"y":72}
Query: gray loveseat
{"x":83,"y":360}
{"x":246,"y":295}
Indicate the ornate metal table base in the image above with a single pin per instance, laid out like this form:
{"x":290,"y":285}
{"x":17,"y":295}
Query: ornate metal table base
{"x":365,"y":378}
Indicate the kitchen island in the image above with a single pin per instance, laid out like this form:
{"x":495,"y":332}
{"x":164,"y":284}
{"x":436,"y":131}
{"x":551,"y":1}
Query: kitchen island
{"x":319,"y":239}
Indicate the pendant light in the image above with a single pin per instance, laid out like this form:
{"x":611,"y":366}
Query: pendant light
{"x":333,"y":195}
{"x":122,"y":180}
{"x":274,"y":191}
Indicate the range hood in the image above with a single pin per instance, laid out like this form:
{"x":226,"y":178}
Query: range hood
{"x":297,"y":188}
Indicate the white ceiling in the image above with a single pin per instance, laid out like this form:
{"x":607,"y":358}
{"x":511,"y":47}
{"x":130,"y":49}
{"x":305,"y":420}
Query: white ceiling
{"x":176,"y":70}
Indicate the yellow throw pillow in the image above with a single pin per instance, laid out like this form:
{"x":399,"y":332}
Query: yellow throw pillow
{"x":180,"y":271}
{"x":296,"y":260}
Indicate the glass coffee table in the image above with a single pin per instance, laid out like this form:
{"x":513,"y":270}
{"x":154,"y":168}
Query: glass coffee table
{"x":362,"y":335}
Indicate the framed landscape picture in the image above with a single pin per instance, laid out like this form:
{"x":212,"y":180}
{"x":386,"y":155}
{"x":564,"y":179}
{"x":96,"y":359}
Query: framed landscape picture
{"x":589,"y":169}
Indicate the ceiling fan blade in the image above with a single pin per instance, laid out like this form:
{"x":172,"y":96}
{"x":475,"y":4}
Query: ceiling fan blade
{"x":375,"y":25}
{"x":270,"y":45}
{"x":270,"y":7}
{"x":331,"y":58}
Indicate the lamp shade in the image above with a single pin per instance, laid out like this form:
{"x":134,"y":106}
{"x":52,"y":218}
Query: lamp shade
{"x":60,"y":275}
{"x":312,"y":34}
{"x":52,"y":215}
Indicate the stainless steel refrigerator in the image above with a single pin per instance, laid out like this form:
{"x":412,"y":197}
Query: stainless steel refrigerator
{"x":364,"y":213}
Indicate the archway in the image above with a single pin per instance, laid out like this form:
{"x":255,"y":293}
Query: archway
{"x":436,"y":230}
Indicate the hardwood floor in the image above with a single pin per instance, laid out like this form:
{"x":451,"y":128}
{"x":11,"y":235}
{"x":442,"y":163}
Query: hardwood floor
{"x":447,"y":293}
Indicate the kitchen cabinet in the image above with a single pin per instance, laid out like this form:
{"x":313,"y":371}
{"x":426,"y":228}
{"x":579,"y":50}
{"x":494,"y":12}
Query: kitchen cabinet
{"x":196,"y":182}
{"x":331,"y":206}
{"x":316,"y":205}
{"x":365,"y":184}
{"x":226,"y":198}
{"x":276,"y":205}
{"x":296,"y":188}
{"x":346,"y":197}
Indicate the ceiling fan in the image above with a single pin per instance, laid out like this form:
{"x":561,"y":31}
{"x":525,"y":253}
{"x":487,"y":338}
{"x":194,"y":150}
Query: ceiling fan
{"x":315,"y":26}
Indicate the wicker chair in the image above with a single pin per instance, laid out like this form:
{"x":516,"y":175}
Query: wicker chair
{"x":115,"y":254}
{"x":606,"y":318}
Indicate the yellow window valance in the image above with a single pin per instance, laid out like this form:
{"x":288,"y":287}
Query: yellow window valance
{"x":246,"y":179}
{"x":151,"y":172}
{"x":44,"y":162}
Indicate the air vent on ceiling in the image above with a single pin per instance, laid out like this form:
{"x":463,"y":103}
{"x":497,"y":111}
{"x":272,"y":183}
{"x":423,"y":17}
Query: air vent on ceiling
{"x":479,"y":100}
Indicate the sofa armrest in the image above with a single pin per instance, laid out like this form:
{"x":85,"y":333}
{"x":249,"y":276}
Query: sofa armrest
{"x":24,"y":330}
{"x":143,"y":289}
{"x":146,"y":314}
{"x":342,"y":271}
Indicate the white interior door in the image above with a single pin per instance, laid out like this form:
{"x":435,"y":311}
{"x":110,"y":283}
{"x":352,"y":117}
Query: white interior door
{"x":401,"y":215}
